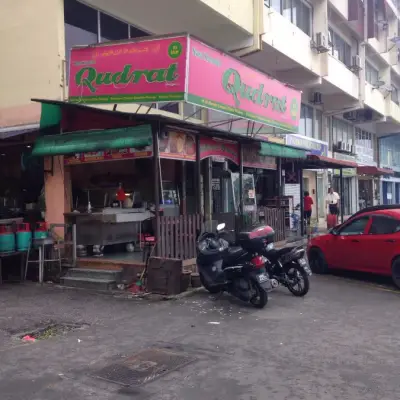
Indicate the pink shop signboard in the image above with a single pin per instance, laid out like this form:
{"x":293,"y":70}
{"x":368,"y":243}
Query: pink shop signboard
{"x":145,"y":71}
{"x":223,"y":83}
{"x":180,"y":68}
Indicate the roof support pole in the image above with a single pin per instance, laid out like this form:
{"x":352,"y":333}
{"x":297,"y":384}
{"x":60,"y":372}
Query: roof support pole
{"x":197,"y":174}
{"x":156,"y":182}
{"x":341,"y":197}
{"x":302,"y":226}
{"x":241,"y":210}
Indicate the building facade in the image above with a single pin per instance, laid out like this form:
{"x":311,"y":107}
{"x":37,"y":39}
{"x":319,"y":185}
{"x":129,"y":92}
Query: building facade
{"x":341,"y":54}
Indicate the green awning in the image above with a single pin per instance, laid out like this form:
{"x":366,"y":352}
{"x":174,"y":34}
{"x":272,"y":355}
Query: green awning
{"x":88,"y":141}
{"x":50,"y":115}
{"x":280,"y":150}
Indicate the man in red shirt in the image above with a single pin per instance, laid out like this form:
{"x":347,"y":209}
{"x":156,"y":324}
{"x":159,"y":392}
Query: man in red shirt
{"x":308,"y":202}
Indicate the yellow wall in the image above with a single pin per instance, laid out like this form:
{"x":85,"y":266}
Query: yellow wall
{"x":32,"y":50}
{"x":240,"y":12}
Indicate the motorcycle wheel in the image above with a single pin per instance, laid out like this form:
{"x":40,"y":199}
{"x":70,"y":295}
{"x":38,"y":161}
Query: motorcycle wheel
{"x":210,"y":289}
{"x":296,"y":275}
{"x":260,"y":299}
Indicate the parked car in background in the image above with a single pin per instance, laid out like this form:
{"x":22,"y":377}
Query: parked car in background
{"x":369,"y":241}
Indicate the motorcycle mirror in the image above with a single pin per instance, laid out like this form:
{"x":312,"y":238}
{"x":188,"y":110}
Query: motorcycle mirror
{"x":220,"y":227}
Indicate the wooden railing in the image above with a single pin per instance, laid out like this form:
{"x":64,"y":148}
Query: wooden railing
{"x":274,"y":217}
{"x":178,"y":236}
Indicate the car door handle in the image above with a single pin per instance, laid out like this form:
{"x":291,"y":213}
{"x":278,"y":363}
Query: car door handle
{"x":390,"y":241}
{"x":355,"y":241}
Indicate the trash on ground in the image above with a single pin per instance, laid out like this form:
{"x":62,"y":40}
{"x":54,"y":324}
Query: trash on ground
{"x":214,"y":323}
{"x":28,"y":338}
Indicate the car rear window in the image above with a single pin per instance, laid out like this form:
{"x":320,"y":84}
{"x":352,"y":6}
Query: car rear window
{"x":384,"y":225}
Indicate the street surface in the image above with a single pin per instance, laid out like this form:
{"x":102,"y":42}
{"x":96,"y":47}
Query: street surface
{"x":340,"y":342}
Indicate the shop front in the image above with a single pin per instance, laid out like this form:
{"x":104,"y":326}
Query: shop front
{"x":150,"y":174}
{"x":368,"y":173}
{"x":390,"y":189}
{"x":350,"y":184}
{"x":313,"y":181}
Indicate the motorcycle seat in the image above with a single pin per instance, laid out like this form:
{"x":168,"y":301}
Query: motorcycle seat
{"x":276,"y":253}
{"x":233,"y":253}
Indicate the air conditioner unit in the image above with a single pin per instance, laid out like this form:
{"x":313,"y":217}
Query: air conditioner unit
{"x":339,"y":146}
{"x":350,"y":115}
{"x":316,"y":98}
{"x":356,"y":64}
{"x":348,"y":147}
{"x":321,"y":42}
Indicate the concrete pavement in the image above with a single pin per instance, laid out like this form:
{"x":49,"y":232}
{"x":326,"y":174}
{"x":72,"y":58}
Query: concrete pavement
{"x":340,"y":342}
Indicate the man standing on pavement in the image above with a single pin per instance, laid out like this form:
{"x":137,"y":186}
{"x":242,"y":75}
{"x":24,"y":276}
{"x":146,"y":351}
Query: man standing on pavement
{"x":332,"y":200}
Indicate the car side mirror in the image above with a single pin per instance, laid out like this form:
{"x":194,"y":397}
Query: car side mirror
{"x":333,"y":231}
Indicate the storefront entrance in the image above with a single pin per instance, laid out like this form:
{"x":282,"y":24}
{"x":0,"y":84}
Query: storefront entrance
{"x":365,"y":193}
{"x":347,"y":193}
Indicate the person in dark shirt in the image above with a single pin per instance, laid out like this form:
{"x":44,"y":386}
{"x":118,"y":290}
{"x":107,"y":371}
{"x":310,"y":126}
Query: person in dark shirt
{"x":308,"y":202}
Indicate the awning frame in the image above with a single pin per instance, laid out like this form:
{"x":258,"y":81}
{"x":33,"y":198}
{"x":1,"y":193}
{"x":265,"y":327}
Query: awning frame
{"x":373,"y":170}
{"x":314,"y":161}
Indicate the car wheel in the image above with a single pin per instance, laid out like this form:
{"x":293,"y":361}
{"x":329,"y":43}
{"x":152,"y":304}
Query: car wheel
{"x":396,"y":272}
{"x":317,"y":261}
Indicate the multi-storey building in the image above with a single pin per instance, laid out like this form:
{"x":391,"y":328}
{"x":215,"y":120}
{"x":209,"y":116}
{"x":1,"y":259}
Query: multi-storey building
{"x":342,"y":54}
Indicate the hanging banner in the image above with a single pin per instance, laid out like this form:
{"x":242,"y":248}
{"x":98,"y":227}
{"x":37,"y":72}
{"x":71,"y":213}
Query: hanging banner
{"x":172,"y":145}
{"x":177,"y":146}
{"x":108,"y":155}
{"x":212,"y":147}
{"x":252,"y":158}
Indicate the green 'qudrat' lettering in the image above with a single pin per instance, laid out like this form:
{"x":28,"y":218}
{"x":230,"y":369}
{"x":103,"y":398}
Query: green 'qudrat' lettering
{"x":232,"y":84}
{"x":91,"y":78}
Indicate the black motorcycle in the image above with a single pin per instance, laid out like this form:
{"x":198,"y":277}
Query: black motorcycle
{"x":238,"y":270}
{"x":289,"y":268}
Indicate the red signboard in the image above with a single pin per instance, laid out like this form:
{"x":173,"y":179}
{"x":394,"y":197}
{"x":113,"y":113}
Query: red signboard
{"x":210,"y":147}
{"x":111,"y":155}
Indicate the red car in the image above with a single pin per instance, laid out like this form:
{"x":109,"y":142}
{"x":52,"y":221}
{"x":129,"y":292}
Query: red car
{"x":369,"y":241}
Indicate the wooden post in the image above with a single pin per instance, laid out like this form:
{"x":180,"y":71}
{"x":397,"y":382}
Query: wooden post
{"x":183,"y":176}
{"x":156,"y":181}
{"x":198,"y":176}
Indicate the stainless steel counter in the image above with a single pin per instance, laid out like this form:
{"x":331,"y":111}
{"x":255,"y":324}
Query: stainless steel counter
{"x":109,"y":226}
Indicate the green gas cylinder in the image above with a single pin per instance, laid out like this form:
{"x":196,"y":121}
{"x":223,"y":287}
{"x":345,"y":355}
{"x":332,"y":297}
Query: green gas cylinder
{"x":7,"y":239}
{"x":24,"y":237}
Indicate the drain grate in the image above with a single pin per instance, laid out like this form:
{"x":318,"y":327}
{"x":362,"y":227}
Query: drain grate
{"x":143,"y":367}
